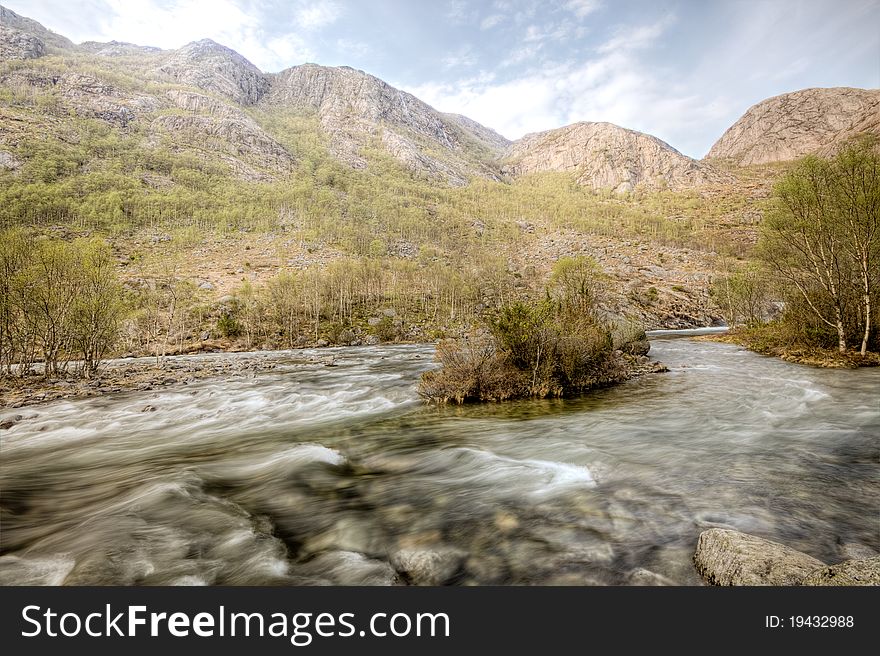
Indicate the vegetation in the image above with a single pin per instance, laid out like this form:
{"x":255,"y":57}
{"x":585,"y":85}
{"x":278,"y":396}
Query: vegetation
{"x":553,"y":348}
{"x":819,"y":255}
{"x":61,"y":304}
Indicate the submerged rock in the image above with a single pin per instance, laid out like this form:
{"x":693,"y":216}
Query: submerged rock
{"x":725,"y":557}
{"x":434,"y":566}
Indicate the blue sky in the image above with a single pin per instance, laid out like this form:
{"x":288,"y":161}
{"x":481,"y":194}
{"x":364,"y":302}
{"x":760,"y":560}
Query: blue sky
{"x":682,"y":70}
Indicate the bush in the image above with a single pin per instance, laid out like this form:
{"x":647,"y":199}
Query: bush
{"x":472,"y":370}
{"x":540,"y":350}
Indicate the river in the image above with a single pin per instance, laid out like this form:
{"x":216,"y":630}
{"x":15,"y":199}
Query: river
{"x":311,"y":474}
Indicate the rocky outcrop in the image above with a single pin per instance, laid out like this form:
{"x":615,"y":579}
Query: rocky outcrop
{"x":486,"y":137}
{"x":236,"y":135}
{"x":606,"y":156}
{"x":117,"y":48}
{"x":850,"y":572}
{"x":726,"y":557}
{"x":355,"y":108}
{"x":15,"y":44}
{"x":218,"y":69}
{"x":10,"y":19}
{"x":792,"y":125}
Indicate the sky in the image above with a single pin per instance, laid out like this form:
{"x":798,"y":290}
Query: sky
{"x":682,"y":70}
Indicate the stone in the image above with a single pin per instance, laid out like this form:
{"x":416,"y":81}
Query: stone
{"x":644,"y":577}
{"x":791,"y":125}
{"x":607,"y":156}
{"x":434,"y":566}
{"x":349,"y":568}
{"x":206,"y":285}
{"x":217,"y":69}
{"x":851,"y":572}
{"x":727,"y":557}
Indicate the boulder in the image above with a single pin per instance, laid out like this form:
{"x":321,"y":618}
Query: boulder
{"x":850,"y":572}
{"x":726,"y":557}
{"x":434,"y":566}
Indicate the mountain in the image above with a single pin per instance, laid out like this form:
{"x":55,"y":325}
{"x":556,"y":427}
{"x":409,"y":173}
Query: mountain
{"x":12,"y":21}
{"x":220,"y":91}
{"x":792,"y":125}
{"x":355,"y":108}
{"x":607,"y":156}
{"x":218,"y":69}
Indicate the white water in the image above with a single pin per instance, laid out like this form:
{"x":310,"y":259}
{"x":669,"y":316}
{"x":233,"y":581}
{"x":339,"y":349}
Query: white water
{"x":314,"y":474}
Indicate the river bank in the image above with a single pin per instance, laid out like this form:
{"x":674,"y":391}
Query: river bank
{"x":145,"y":374}
{"x":828,"y":358}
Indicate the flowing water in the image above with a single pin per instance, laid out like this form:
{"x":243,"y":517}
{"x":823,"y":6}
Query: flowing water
{"x":315,"y":474}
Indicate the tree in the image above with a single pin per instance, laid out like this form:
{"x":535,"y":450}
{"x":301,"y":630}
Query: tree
{"x":857,"y":200}
{"x":99,"y":307}
{"x":822,"y":236}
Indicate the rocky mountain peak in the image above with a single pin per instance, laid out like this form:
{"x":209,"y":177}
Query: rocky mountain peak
{"x":792,"y":125}
{"x":213,"y":67}
{"x":354,"y":107}
{"x":9,"y":19}
{"x":607,"y":156}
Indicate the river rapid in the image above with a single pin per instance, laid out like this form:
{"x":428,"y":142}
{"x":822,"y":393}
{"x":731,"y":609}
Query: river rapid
{"x":314,"y":474}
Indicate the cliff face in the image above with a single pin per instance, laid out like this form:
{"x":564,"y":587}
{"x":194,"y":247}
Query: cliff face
{"x":218,"y":69}
{"x":355,"y":108}
{"x":795,"y":124}
{"x":606,"y":156}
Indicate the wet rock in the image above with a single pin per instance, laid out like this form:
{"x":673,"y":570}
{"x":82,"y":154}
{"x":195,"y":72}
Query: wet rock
{"x":856,"y":551}
{"x":350,"y":568}
{"x":434,"y":566}
{"x":851,"y":572}
{"x":6,"y":424}
{"x":725,"y":557}
{"x":15,"y":570}
{"x":322,"y":343}
{"x":148,"y":408}
{"x":347,"y":534}
{"x":371,"y":340}
{"x":646,"y":577}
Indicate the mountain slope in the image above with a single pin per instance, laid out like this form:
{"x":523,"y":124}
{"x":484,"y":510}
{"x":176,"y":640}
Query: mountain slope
{"x":355,"y":108}
{"x":792,"y":125}
{"x":606,"y":156}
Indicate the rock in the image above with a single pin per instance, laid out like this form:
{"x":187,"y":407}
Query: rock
{"x":606,"y":156}
{"x":726,"y":557}
{"x":791,"y":125}
{"x":374,"y":321}
{"x":321,"y":343}
{"x":218,"y":69}
{"x":349,"y":568}
{"x":851,"y":572}
{"x":645,"y":577}
{"x":354,"y":108}
{"x":434,"y":566}
{"x":206,"y":285}
{"x":855,"y":551}
{"x":15,"y":44}
{"x":389,"y":312}
{"x":371,"y":340}
{"x":148,"y":408}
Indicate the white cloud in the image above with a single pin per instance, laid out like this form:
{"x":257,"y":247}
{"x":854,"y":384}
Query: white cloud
{"x":318,"y":14}
{"x":491,"y":21}
{"x":613,"y":86}
{"x":582,"y":8}
{"x":462,"y":57}
{"x":644,"y":36}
